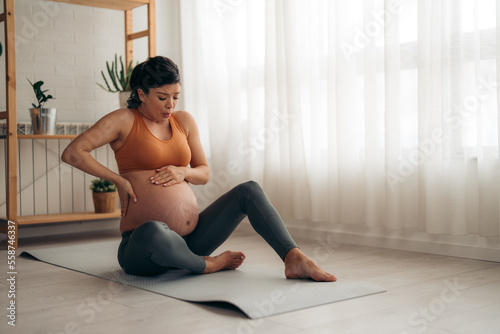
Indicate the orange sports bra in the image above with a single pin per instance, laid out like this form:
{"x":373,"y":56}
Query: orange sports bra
{"x":143,"y":151}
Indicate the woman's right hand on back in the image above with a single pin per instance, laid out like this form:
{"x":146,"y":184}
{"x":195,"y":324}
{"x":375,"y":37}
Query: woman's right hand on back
{"x":126,"y":193}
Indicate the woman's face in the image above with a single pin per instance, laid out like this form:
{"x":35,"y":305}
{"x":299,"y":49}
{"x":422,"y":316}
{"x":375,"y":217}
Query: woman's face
{"x":160,"y":102}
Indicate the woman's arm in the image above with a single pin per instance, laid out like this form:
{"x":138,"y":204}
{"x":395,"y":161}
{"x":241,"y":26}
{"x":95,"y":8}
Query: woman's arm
{"x":108,"y":130}
{"x":198,"y":172}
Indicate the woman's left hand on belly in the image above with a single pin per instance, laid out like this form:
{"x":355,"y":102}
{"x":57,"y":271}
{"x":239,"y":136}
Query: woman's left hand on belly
{"x":169,"y":175}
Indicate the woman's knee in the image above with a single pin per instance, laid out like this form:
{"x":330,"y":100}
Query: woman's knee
{"x":250,"y":192}
{"x":250,"y":188}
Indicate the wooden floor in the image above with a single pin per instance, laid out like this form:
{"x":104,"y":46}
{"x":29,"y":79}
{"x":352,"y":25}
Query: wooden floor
{"x":426,"y":294}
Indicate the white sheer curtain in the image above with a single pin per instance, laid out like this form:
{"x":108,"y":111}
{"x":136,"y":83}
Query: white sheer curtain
{"x":380,"y":113}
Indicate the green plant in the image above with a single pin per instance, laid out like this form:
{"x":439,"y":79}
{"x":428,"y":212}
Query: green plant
{"x":119,"y":79}
{"x":40,"y":94}
{"x":102,"y":186}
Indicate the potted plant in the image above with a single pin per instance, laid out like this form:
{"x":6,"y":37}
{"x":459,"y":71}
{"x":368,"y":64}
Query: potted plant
{"x":120,"y":80}
{"x":43,"y":120}
{"x":104,"y":195}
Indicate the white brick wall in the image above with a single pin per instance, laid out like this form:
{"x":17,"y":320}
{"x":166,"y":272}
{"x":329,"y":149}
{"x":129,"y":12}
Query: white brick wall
{"x":67,"y":46}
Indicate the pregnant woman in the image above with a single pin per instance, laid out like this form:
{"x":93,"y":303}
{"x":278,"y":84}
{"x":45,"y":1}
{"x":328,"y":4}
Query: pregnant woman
{"x":158,"y":152}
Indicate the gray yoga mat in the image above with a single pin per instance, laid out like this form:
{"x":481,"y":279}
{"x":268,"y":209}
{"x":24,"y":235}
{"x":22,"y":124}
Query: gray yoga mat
{"x":257,"y":291}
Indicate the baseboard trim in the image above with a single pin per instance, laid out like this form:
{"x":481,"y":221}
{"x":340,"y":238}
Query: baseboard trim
{"x":469,"y":246}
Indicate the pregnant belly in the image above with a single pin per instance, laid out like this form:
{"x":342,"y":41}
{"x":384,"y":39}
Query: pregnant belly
{"x":174,"y":205}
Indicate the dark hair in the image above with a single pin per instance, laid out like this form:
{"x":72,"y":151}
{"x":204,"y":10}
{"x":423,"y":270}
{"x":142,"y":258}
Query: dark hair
{"x":154,"y":72}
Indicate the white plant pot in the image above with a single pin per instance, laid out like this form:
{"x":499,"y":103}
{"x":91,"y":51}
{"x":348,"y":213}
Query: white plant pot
{"x":123,"y":97}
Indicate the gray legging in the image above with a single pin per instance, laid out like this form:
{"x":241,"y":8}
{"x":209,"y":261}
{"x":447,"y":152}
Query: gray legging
{"x":153,"y":248}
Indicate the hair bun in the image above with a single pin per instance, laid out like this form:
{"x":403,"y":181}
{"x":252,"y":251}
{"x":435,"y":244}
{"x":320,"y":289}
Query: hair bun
{"x":154,"y":72}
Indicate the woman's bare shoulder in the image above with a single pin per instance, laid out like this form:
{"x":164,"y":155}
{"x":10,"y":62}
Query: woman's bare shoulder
{"x":183,"y":115}
{"x":119,"y":120}
{"x":112,"y":127}
{"x":121,"y":115}
{"x":186,"y":119}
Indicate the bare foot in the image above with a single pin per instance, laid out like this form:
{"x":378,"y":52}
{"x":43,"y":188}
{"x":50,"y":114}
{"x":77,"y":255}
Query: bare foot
{"x":298,"y":265}
{"x":226,"y":261}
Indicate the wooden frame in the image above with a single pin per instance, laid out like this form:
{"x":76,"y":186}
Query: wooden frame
{"x":11,"y":113}
{"x":66,"y":217}
{"x":109,"y":4}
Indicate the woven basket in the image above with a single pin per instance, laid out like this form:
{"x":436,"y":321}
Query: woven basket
{"x":104,"y":202}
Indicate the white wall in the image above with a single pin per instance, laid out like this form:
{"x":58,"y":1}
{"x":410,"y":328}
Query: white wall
{"x":66,"y":46}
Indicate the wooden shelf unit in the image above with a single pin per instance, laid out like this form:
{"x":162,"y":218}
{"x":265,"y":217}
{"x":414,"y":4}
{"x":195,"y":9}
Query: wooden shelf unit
{"x":62,"y":218}
{"x":46,"y":136}
{"x":66,"y":217}
{"x":10,"y":115}
{"x":109,"y":4}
